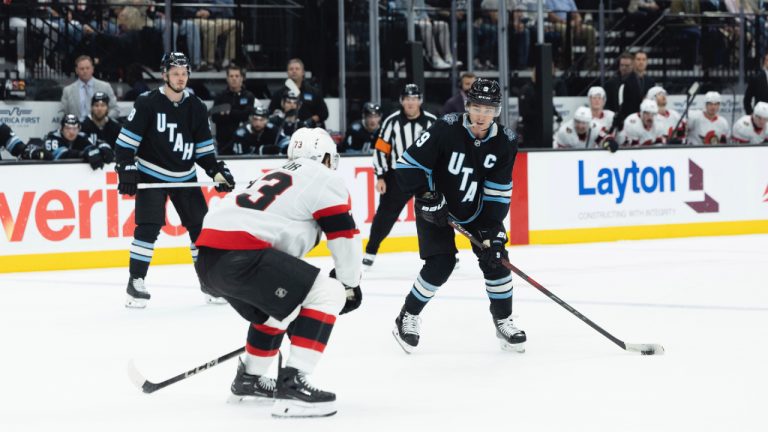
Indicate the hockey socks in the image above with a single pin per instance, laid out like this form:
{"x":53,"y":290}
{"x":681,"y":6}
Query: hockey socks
{"x":262,"y":347}
{"x":309,"y":336}
{"x":141,"y":256}
{"x":500,"y":294}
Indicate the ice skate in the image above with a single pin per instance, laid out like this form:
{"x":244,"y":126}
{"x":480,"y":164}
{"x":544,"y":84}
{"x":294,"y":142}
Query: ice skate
{"x":137,"y":294}
{"x":296,"y":397}
{"x":258,"y":388}
{"x":406,"y":332}
{"x":368,"y":261}
{"x":510,"y":337}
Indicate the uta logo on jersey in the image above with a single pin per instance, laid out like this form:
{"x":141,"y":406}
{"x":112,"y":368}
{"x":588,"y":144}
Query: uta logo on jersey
{"x":187,"y":149}
{"x":456,"y":167}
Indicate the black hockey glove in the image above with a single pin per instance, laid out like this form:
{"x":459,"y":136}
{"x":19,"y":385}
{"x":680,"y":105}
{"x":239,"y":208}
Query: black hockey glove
{"x":36,"y":153}
{"x":107,"y":154}
{"x":432,"y":207}
{"x":491,"y":255}
{"x":220,"y":174}
{"x":128,"y":179}
{"x":93,"y":157}
{"x":610,"y":144}
{"x":354,"y":296}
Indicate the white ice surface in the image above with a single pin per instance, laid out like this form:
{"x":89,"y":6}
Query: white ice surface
{"x":66,"y":339}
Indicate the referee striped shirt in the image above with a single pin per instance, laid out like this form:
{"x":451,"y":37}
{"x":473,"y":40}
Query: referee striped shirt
{"x":397,"y":134}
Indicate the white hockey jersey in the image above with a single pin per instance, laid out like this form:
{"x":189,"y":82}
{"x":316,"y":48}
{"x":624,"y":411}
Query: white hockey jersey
{"x":705,"y":131}
{"x":287,"y":209}
{"x":566,"y":136}
{"x":744,"y":132}
{"x":604,"y":121}
{"x":667,"y":122}
{"x":635,"y":134}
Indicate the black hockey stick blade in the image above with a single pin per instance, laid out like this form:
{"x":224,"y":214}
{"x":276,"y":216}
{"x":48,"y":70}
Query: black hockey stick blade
{"x":643,"y":349}
{"x":150,"y":387}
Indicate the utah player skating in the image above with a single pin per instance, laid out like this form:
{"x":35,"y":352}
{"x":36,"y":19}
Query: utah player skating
{"x":166,"y":134}
{"x":462,"y":165}
{"x":251,"y":247}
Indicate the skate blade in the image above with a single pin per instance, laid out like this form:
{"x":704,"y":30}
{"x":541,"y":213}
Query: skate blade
{"x":255,"y":400}
{"x":291,"y":408}
{"x":135,"y":303}
{"x":209,"y":299}
{"x":403,"y":344}
{"x":517,"y":348}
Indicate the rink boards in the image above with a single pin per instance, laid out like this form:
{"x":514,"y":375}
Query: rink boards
{"x":66,"y":216}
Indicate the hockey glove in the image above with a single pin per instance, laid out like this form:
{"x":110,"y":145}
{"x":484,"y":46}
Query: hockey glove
{"x":93,"y":157}
{"x":220,"y":174}
{"x":107,"y":154}
{"x":128,"y":179}
{"x":354,"y":296}
{"x":431,"y":206}
{"x":609,"y":143}
{"x":491,"y":255}
{"x":36,"y":153}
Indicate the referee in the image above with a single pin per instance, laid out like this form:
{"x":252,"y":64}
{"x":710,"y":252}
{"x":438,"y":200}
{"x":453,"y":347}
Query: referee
{"x":401,"y":129}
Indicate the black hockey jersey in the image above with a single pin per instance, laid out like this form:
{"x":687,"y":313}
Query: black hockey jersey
{"x":247,"y":141}
{"x":358,"y":139}
{"x":10,"y":141}
{"x":474,"y":175}
{"x":60,"y":148}
{"x":108,"y":133}
{"x":167,"y":137}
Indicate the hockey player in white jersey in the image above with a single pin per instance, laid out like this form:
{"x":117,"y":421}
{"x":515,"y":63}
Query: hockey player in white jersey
{"x":750,"y":129}
{"x":251,"y":247}
{"x":706,"y":127}
{"x":576,"y":132}
{"x":667,"y":119}
{"x":602,"y":119}
{"x":640,"y":128}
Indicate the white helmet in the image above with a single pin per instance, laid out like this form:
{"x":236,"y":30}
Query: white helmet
{"x":649,"y":106}
{"x":583,"y":114}
{"x":313,"y":144}
{"x":596,"y":91}
{"x":712,"y":97}
{"x":654,"y":91}
{"x":761,"y":110}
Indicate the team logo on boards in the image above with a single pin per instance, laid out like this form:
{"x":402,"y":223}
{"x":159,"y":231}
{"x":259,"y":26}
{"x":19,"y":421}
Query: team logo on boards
{"x":696,"y":183}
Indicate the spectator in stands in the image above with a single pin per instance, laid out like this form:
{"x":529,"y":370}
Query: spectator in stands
{"x":688,"y":29}
{"x":362,"y":134}
{"x":258,"y":136}
{"x":636,"y":86}
{"x":232,"y":106}
{"x":667,"y":119}
{"x":456,"y":102}
{"x":751,"y":128}
{"x":134,"y":77}
{"x":135,"y":42}
{"x":98,"y":126}
{"x":642,"y":13}
{"x":563,"y":11}
{"x":312,"y":103}
{"x":435,"y":34}
{"x":215,"y":22}
{"x":613,"y":85}
{"x":757,"y":89}
{"x":76,"y":97}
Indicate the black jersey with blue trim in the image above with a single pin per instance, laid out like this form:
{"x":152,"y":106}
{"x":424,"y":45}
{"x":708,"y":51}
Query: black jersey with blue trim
{"x":167,"y":138}
{"x":474,"y":175}
{"x":61,"y":148}
{"x":10,"y":141}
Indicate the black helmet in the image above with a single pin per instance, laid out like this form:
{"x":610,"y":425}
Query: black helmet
{"x":371,"y":109}
{"x":290,"y":95}
{"x":410,"y":90}
{"x":484,"y":92}
{"x":100,"y":97}
{"x":172,"y":59}
{"x":70,"y":120}
{"x":260,"y":111}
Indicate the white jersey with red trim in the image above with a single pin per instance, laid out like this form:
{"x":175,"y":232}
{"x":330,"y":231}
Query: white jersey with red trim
{"x":635,"y":134}
{"x":566,"y":136}
{"x":667,"y":122}
{"x":705,"y":131}
{"x":744,"y":132}
{"x":604,"y":121}
{"x":287,"y":209}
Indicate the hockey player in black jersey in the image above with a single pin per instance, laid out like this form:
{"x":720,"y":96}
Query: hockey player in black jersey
{"x":462,"y":168}
{"x":8,"y":140}
{"x":362,"y":134}
{"x":166,"y":134}
{"x":70,"y":143}
{"x":98,"y":126}
{"x":285,"y":121}
{"x":258,"y":136}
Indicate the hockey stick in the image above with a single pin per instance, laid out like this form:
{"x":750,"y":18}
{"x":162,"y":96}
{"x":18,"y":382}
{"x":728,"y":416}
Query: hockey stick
{"x":150,"y":387}
{"x":643,"y":349}
{"x":174,"y":185}
{"x":689,"y":98}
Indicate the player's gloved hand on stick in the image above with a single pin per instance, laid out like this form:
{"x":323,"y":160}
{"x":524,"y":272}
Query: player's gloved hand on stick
{"x":36,"y":153}
{"x":107,"y":154}
{"x":610,"y":144}
{"x":494,"y":250}
{"x":354,"y":296}
{"x":128,"y":179}
{"x":220,"y":174}
{"x":93,"y":157}
{"x":432,"y":207}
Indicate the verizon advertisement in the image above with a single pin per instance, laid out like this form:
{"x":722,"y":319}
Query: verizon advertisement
{"x":595,"y":189}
